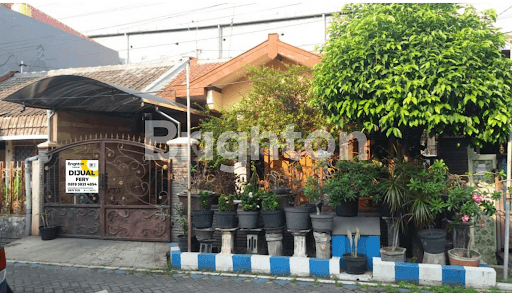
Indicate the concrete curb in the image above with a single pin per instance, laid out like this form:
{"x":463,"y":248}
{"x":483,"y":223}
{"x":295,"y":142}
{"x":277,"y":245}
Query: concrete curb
{"x":482,"y":277}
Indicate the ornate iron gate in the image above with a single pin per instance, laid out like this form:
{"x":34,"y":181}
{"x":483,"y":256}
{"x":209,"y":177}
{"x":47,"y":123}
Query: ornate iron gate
{"x":134,"y":192}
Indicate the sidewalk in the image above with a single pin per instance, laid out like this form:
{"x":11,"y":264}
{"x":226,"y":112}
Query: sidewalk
{"x":89,"y":252}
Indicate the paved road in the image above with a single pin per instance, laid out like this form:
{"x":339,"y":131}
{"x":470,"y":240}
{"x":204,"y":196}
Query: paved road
{"x":40,"y":278}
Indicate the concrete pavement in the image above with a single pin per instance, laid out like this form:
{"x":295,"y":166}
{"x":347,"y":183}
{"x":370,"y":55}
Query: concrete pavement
{"x":90,"y":252}
{"x":36,"y":278}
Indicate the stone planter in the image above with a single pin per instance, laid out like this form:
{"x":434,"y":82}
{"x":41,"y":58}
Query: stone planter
{"x":458,"y":257}
{"x":297,"y":218}
{"x":348,"y":208}
{"x":248,"y":219}
{"x":322,"y":223}
{"x":225,"y":220}
{"x":202,"y":219}
{"x":387,"y":254}
{"x":433,"y":240}
{"x":355,"y":265}
{"x":272,"y":219}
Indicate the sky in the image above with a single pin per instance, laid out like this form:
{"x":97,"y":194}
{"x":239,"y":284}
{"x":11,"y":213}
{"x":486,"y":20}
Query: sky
{"x":103,"y":17}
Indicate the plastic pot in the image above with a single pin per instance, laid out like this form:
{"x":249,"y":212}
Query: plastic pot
{"x":297,"y":218}
{"x":272,"y":219}
{"x":355,"y":265}
{"x":387,"y":254}
{"x":248,"y":219}
{"x":225,"y":220}
{"x":348,"y":208}
{"x":433,"y":240}
{"x":322,"y":222}
{"x":48,"y":233}
{"x":458,"y":257}
{"x":202,"y":219}
{"x":183,"y":243}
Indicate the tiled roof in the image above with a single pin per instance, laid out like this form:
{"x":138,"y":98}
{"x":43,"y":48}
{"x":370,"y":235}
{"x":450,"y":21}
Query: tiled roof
{"x":135,"y":76}
{"x":196,"y":70}
{"x":13,"y":119}
{"x":41,"y":16}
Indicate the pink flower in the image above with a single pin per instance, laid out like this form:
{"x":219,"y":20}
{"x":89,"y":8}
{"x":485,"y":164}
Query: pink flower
{"x":483,"y":225}
{"x":465,"y":218}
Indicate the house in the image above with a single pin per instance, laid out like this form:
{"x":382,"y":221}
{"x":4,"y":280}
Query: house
{"x":223,"y":84}
{"x":98,"y":114}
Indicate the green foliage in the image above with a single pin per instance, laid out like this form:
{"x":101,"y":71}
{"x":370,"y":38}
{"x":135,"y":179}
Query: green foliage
{"x":278,"y":98}
{"x":424,"y":191}
{"x":270,"y":201}
{"x":354,"y":179}
{"x":225,"y":203}
{"x":312,"y":189}
{"x":204,"y":198}
{"x":400,"y":69}
{"x":180,"y":218}
{"x":470,"y":204}
{"x":251,"y":200}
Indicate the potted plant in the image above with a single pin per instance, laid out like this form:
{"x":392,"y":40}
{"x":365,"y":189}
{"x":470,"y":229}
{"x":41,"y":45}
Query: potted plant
{"x":47,"y":231}
{"x":355,"y":263}
{"x":469,"y":205}
{"x":225,"y":215}
{"x":395,"y":197}
{"x":203,"y":218}
{"x":313,"y":192}
{"x":351,"y":180}
{"x":394,"y":253}
{"x":424,"y":192}
{"x":182,"y":220}
{"x":248,"y":216}
{"x":271,"y":214}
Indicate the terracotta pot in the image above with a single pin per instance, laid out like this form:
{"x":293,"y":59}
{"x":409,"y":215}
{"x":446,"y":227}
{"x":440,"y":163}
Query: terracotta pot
{"x":458,"y":257}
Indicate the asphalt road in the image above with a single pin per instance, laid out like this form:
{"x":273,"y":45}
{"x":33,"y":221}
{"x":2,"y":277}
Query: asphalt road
{"x":40,"y":278}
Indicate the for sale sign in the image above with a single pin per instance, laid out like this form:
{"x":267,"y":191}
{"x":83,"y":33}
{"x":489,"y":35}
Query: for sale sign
{"x":82,"y":176}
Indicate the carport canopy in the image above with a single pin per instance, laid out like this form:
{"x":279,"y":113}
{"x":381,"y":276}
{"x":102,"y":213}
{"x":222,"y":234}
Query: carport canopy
{"x":83,"y":94}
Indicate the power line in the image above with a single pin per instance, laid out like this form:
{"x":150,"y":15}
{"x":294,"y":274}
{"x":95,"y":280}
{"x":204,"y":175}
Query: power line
{"x":504,"y":10}
{"x":108,"y":10}
{"x":159,"y":18}
{"x":248,"y":4}
{"x":210,"y":38}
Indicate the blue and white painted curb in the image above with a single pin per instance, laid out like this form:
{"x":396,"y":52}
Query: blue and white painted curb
{"x":430,"y":274}
{"x":253,"y":263}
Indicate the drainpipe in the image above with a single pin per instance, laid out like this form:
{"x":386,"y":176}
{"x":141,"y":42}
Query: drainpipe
{"x":28,"y":193}
{"x":49,"y":114}
{"x":170,"y":118}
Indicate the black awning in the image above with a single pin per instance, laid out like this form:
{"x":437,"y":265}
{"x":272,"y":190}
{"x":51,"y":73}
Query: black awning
{"x":78,"y":93}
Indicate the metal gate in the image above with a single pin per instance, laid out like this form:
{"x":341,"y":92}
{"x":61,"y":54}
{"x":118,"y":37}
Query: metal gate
{"x":134,"y":192}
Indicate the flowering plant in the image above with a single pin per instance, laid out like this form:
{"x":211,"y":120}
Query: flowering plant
{"x":470,"y":204}
{"x":251,"y":201}
{"x":226,"y":203}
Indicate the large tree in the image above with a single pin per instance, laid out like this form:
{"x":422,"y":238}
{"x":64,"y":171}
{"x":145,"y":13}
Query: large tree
{"x":403,"y":69}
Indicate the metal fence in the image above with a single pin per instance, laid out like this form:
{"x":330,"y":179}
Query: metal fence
{"x":12,"y":188}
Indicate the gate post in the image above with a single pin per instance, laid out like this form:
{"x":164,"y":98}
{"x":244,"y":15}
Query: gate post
{"x":38,"y":199}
